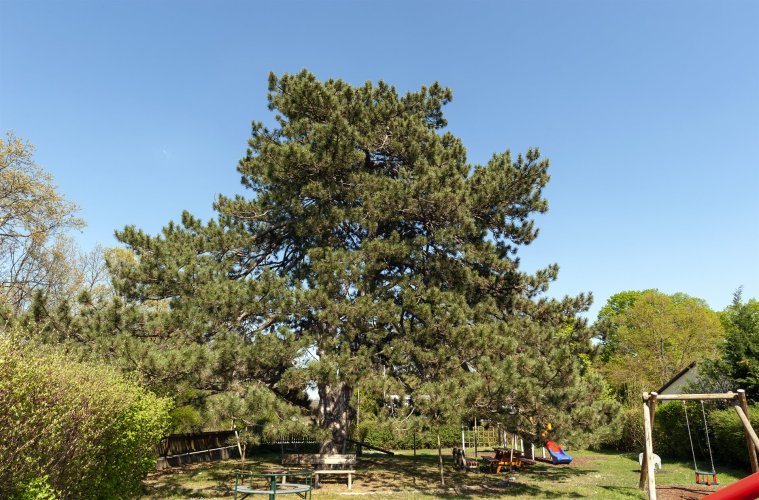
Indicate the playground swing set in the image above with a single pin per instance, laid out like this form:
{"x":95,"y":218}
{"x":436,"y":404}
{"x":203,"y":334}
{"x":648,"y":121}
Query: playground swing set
{"x":702,"y":477}
{"x":747,"y":488}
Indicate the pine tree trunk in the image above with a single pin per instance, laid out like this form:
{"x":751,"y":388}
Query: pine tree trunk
{"x":335,"y":415}
{"x":440,"y":457}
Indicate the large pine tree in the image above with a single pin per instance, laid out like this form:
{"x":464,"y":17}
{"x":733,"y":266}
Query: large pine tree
{"x":369,"y":248}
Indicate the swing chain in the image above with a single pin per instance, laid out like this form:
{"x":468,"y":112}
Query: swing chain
{"x":708,"y":444}
{"x":690,"y":438}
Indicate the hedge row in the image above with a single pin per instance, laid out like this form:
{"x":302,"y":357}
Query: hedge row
{"x":386,"y":436}
{"x":671,"y":439}
{"x":73,"y":430}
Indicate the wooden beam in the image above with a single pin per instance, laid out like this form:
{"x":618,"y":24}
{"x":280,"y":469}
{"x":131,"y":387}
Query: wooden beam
{"x":747,"y":426}
{"x":644,"y":464}
{"x":749,"y":444}
{"x":690,"y":397}
{"x":649,"y":454}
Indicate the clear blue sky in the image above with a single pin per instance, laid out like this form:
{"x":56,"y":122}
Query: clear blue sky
{"x":648,"y":110}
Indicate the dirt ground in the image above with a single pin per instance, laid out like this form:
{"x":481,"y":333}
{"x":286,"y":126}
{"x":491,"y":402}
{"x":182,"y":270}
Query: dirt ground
{"x":690,"y":492}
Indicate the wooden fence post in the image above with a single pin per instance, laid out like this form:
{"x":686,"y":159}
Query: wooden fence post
{"x":647,"y":479}
{"x":749,"y":443}
{"x":463,"y":438}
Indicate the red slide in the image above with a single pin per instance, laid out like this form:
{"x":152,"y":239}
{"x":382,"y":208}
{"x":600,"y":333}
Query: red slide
{"x":745,"y":489}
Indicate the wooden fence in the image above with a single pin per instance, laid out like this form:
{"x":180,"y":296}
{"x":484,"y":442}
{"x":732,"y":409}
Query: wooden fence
{"x":485,"y":438}
{"x":178,"y":449}
{"x":179,"y":444}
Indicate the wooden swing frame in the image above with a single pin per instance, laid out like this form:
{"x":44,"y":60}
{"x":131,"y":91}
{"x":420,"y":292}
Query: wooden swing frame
{"x":650,"y":400}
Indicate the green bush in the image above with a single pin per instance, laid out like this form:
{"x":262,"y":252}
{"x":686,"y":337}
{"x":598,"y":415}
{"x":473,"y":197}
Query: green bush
{"x":84,"y":429}
{"x":185,"y":420}
{"x":629,"y":432}
{"x":729,"y":441}
{"x":670,"y":436}
{"x":385,"y":435}
{"x":671,"y":433}
{"x":726,"y":436}
{"x":36,"y":489}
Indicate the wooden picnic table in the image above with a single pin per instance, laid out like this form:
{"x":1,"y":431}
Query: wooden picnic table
{"x":504,"y":458}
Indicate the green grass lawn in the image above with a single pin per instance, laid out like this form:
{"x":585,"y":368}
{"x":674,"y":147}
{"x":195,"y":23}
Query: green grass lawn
{"x":591,"y":474}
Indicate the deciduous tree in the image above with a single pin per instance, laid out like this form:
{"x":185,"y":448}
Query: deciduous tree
{"x":33,"y":216}
{"x":654,"y":336}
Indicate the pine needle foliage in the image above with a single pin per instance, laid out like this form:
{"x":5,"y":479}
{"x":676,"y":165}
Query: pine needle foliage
{"x":371,"y":253}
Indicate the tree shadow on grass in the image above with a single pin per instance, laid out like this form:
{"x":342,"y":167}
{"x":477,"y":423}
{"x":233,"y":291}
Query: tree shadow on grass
{"x":627,"y":491}
{"x":178,"y":491}
{"x":630,"y":455}
{"x":377,"y":475}
{"x":555,"y":473}
{"x":202,"y":479}
{"x":497,"y":491}
{"x":402,"y":473}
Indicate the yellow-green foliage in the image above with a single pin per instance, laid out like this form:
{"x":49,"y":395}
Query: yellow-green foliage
{"x":85,"y":428}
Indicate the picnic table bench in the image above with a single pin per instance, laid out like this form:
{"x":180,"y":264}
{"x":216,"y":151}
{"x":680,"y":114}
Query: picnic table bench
{"x":464,"y":462}
{"x":324,"y":464}
{"x":504,"y":457}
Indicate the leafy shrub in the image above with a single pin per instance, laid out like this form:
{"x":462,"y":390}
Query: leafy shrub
{"x":671,"y":432}
{"x":86,"y":429}
{"x":36,"y":489}
{"x":726,"y":436}
{"x":385,"y":435}
{"x":629,"y":432}
{"x":728,"y":441}
{"x":185,"y":420}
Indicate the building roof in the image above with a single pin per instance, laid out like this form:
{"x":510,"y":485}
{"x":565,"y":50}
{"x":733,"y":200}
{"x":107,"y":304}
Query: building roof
{"x":676,"y":384}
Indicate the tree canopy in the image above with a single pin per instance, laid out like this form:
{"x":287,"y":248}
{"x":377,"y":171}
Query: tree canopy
{"x":648,"y":337}
{"x":371,"y":253}
{"x":34,"y":254}
{"x":739,"y":360}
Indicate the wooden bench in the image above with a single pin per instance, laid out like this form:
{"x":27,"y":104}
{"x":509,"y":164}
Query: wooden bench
{"x":462,"y":462}
{"x":324,"y":464}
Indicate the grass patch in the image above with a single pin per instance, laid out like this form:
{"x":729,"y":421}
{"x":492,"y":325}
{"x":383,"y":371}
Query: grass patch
{"x":592,"y":474}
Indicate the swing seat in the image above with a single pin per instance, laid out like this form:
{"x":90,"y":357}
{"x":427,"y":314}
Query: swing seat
{"x":703,"y":477}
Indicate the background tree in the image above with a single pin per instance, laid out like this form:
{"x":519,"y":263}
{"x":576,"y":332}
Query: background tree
{"x":33,"y":218}
{"x":607,"y":325}
{"x":653,"y":336}
{"x":738,"y":363}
